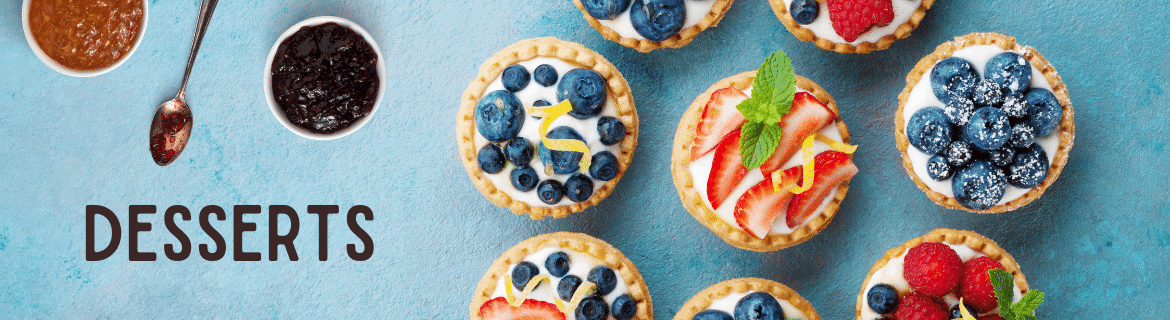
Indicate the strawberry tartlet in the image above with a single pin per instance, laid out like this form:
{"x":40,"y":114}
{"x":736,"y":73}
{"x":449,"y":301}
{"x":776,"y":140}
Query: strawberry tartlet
{"x":747,"y":298}
{"x":851,"y":26}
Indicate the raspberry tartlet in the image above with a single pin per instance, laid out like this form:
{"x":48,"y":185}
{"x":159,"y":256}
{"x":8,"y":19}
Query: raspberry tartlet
{"x":851,"y":26}
{"x":548,"y":127}
{"x":762,"y":205}
{"x":931,"y":276}
{"x":984,"y":124}
{"x":562,"y":275}
{"x":646,"y":25}
{"x":747,"y":298}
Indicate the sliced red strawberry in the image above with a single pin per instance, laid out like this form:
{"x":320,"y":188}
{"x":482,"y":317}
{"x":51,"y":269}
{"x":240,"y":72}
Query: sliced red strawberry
{"x":758,"y":208}
{"x":499,"y":309}
{"x":832,"y":168}
{"x":719,"y":118}
{"x":726,"y":171}
{"x":808,"y":116}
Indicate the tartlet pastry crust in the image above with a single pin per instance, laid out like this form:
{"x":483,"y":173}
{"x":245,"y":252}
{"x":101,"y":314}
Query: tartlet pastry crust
{"x":702,"y":300}
{"x":683,"y":37}
{"x":805,"y":34}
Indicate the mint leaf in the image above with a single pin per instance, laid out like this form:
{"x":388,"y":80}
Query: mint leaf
{"x":1002,"y":282}
{"x":757,"y":142}
{"x":1028,"y":303}
{"x":781,"y":79}
{"x":751,"y":110}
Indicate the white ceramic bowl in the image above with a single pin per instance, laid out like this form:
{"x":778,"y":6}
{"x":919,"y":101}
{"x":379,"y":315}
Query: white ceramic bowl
{"x":72,"y":72}
{"x":279,"y":113}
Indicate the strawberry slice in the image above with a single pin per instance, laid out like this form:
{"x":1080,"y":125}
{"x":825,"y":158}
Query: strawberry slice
{"x":832,"y":168}
{"x":719,"y":118}
{"x":808,"y":116}
{"x":726,"y":171}
{"x":758,"y":208}
{"x":499,"y":309}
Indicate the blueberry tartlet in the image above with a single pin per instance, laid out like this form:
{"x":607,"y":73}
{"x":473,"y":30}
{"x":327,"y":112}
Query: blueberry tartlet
{"x":562,"y":275}
{"x":942,"y":275}
{"x":851,"y":26}
{"x":645,"y":25}
{"x":984,"y":124}
{"x":548,"y":127}
{"x":747,"y":298}
{"x":761,"y":197}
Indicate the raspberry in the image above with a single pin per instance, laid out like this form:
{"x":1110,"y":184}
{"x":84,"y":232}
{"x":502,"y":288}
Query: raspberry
{"x":933,"y":269}
{"x":976,"y":288}
{"x":916,"y":306}
{"x":851,"y":18}
{"x":991,"y":317}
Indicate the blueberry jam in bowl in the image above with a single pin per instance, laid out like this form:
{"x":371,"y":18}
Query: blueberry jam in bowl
{"x":324,"y":78}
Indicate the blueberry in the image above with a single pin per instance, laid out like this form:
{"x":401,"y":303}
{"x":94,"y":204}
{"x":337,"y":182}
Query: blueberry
{"x":955,"y":314}
{"x":938,"y":168}
{"x":929,"y":130}
{"x":557,"y":264}
{"x":604,"y":166}
{"x":624,"y":307}
{"x":562,"y":162}
{"x":658,"y":20}
{"x":959,"y":153}
{"x":804,"y":11}
{"x":611,"y":129}
{"x":988,"y":129}
{"x":604,"y":278}
{"x":758,"y":306}
{"x":567,"y":287}
{"x":712,"y":315}
{"x":491,"y":160}
{"x":882,"y":298}
{"x":1023,"y":135}
{"x":592,"y":308}
{"x":522,"y":273}
{"x":524,"y":178}
{"x":605,"y":9}
{"x":550,"y":191}
{"x":518,"y":151}
{"x":959,"y":110}
{"x":541,"y":103}
{"x":1014,"y":105}
{"x":515,"y":78}
{"x":578,"y":187}
{"x":953,"y":77}
{"x":1002,"y":157}
{"x":987,"y":94}
{"x":499,"y":116}
{"x":545,"y":75}
{"x":980,"y":185}
{"x":585,"y":90}
{"x":1010,"y":70}
{"x":1029,"y":168}
{"x":1045,"y":111}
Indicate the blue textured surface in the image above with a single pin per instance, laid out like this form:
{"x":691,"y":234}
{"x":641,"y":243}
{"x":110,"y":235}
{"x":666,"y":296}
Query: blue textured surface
{"x":1098,"y":242}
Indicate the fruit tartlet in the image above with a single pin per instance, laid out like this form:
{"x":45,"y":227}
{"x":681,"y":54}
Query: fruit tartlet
{"x":762,"y":159}
{"x":563,"y":276}
{"x":747,"y":298}
{"x":943,"y":275}
{"x":646,"y":25}
{"x":548,"y":127}
{"x":989,"y":121}
{"x":851,"y":26}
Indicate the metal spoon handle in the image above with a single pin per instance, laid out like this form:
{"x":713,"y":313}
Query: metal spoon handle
{"x":205,"y":11}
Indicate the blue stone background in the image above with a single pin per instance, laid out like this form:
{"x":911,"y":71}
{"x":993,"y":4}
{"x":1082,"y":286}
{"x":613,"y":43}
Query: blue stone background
{"x":1097,"y":243}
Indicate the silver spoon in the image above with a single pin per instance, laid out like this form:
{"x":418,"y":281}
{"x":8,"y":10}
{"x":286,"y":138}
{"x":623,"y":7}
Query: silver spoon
{"x":171,"y":127}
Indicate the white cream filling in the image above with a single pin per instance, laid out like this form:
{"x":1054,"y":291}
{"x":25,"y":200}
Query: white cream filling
{"x":696,"y":10}
{"x":701,"y":171}
{"x":531,"y":131}
{"x":822,"y":26}
{"x":922,"y":96}
{"x":579,"y":265}
{"x":727,"y":304}
{"x":891,"y":274}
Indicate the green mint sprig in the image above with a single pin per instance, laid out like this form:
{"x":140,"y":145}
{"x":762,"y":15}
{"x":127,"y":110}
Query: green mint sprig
{"x":772,"y":94}
{"x":1022,"y":310}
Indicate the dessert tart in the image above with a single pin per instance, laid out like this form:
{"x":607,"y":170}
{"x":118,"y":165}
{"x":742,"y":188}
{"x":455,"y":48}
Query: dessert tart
{"x":838,"y":25}
{"x":770,"y":206}
{"x":562,"y":275}
{"x":548,"y":127}
{"x":931,"y":276}
{"x":984,"y":124}
{"x":747,"y":298}
{"x":646,"y":25}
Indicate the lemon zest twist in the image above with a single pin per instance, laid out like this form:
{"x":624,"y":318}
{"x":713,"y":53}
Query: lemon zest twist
{"x":550,"y":114}
{"x":808,"y":171}
{"x":515,"y":300}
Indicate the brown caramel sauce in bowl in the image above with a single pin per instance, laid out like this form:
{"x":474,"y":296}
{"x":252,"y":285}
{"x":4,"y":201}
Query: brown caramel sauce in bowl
{"x":85,"y":35}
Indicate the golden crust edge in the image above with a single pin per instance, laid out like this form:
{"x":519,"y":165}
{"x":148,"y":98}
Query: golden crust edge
{"x":682,"y":38}
{"x":804,"y":34}
{"x":702,"y":300}
{"x":567,"y":51}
